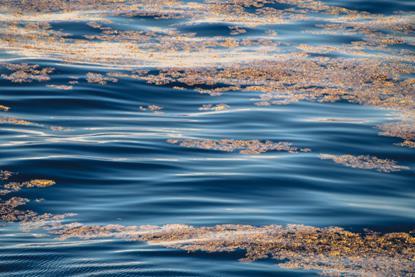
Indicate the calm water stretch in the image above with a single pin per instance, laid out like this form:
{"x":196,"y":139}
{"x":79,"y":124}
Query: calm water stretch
{"x":207,"y":138}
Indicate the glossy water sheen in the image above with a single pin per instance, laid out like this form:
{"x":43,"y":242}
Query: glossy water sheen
{"x":114,"y":166}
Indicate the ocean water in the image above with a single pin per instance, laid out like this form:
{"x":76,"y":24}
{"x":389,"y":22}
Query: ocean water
{"x":127,"y":150}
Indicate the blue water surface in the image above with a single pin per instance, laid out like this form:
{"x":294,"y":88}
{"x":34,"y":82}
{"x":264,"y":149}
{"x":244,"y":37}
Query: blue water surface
{"x":113,"y":165}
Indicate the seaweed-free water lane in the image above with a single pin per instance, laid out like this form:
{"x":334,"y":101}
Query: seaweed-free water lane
{"x":207,"y":138}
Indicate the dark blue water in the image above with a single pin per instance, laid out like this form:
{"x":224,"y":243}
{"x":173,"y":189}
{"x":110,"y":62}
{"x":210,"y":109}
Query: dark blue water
{"x":113,"y":165}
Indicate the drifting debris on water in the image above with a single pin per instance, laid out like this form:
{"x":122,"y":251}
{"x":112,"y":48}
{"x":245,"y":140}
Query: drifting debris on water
{"x":236,"y":30}
{"x":243,"y":146}
{"x":332,"y":250}
{"x":369,"y":71}
{"x":17,"y":186}
{"x":407,"y":143}
{"x":97,"y":78}
{"x":8,"y":208}
{"x":58,"y":128}
{"x":61,"y":87}
{"x":9,"y":213}
{"x":365,"y":162}
{"x":25,"y":73}
{"x":404,"y":129}
{"x":151,"y":108}
{"x":39,"y":183}
{"x":28,"y":219}
{"x":5,"y":175}
{"x":15,"y":121}
{"x":135,"y":48}
{"x":216,"y":108}
{"x":4,"y":108}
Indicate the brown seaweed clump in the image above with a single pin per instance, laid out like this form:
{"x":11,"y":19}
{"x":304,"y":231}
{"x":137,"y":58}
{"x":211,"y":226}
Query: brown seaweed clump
{"x":151,"y":108}
{"x":215,"y":108}
{"x":4,"y":108}
{"x":236,"y":30}
{"x":407,"y":143}
{"x":96,"y":78}
{"x":9,"y":211}
{"x":404,"y":129}
{"x":5,"y":175}
{"x":39,"y":183}
{"x":365,"y":162}
{"x":243,"y":146}
{"x":17,"y":186}
{"x":28,"y":219}
{"x":26,"y":73}
{"x":332,"y":251}
{"x":61,"y":87}
{"x":14,"y":121}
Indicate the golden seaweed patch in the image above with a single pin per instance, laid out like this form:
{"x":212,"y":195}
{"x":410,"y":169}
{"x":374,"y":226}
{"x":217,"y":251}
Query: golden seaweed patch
{"x":97,"y":78}
{"x":25,"y":73}
{"x":4,"y":108}
{"x":14,"y":121}
{"x":372,"y":70}
{"x":365,"y":162}
{"x":407,"y":143}
{"x":215,"y":108}
{"x":60,"y":87}
{"x":9,"y":211}
{"x":151,"y":108}
{"x":40,"y":183}
{"x":403,"y":129}
{"x":243,"y":146}
{"x":17,"y":186}
{"x":332,"y":250}
{"x":5,"y":174}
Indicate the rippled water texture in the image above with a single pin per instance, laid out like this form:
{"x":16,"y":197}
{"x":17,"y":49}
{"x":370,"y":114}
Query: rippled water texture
{"x":207,"y":138}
